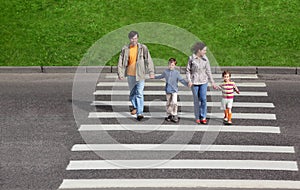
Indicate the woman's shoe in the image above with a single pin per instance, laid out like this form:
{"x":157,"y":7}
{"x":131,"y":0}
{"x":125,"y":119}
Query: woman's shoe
{"x":203,"y":121}
{"x":198,"y":121}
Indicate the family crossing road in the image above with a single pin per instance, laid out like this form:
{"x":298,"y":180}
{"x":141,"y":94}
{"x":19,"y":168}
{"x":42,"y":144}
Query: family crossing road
{"x":154,"y":153}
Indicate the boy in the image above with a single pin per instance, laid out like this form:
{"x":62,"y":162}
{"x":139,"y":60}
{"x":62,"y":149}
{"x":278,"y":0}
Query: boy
{"x":172,"y":77}
{"x":228,"y":87}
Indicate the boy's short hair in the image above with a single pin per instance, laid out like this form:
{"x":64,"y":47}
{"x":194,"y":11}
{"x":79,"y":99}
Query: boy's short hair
{"x":172,"y":60}
{"x":225,"y":73}
{"x":132,"y":34}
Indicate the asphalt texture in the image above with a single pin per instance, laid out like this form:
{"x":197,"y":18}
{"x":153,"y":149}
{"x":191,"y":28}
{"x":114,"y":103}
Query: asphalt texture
{"x":38,"y":130}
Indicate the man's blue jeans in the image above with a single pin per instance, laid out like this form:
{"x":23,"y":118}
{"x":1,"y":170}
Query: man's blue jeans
{"x":199,"y":95}
{"x":136,"y":96}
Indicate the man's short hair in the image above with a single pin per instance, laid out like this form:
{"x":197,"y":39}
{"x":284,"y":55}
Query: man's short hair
{"x":132,"y":34}
{"x":198,"y":46}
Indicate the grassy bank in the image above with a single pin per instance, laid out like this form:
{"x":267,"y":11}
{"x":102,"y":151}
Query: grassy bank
{"x":238,"y":33}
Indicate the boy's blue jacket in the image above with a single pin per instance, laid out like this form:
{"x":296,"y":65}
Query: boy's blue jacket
{"x":172,"y":77}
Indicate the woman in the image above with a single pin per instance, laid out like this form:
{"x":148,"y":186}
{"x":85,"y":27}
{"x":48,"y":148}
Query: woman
{"x":198,"y":72}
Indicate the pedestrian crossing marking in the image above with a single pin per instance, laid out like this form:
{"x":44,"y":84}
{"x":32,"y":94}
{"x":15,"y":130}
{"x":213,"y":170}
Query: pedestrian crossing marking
{"x":183,"y":103}
{"x":183,"y":164}
{"x":181,"y":93}
{"x":191,"y":128}
{"x":182,"y":147}
{"x":276,"y":165}
{"x":217,"y":76}
{"x":162,"y":83}
{"x":256,"y":116}
{"x":178,"y":183}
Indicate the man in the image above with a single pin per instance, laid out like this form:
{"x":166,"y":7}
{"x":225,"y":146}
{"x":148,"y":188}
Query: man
{"x":134,"y":62}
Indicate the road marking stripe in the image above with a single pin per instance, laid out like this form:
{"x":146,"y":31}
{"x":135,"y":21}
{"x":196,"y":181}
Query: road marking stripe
{"x":233,"y":76}
{"x":211,"y":128}
{"x":162,"y":103}
{"x":178,"y":183}
{"x":182,"y":164}
{"x":262,"y":116}
{"x":182,"y":93}
{"x":182,"y":147}
{"x":162,"y":83}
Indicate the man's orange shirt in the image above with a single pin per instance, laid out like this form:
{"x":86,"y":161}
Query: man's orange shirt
{"x":131,"y":69}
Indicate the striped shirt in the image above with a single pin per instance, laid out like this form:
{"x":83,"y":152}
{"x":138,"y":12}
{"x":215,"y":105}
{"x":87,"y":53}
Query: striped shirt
{"x":228,"y":89}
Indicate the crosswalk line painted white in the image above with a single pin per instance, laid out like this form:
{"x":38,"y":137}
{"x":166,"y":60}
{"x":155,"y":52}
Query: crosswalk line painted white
{"x":183,"y":164}
{"x":161,"y":103}
{"x":256,"y":116}
{"x":185,"y":128}
{"x":217,"y":76}
{"x":182,"y":93}
{"x":178,"y":183}
{"x":183,"y":147}
{"x":162,"y":83}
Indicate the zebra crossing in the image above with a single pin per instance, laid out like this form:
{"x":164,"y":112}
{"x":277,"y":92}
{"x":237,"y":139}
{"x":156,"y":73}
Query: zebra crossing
{"x":150,"y":148}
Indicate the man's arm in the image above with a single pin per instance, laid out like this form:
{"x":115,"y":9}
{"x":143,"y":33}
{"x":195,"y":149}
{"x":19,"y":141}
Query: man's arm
{"x":148,"y":62}
{"x":121,"y":65}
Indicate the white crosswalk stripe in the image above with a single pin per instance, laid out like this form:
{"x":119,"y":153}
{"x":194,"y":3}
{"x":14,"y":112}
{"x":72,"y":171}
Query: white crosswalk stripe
{"x":216,"y":76}
{"x":261,"y":116}
{"x":208,"y":128}
{"x":178,"y":183}
{"x":162,"y":83}
{"x":228,"y":164}
{"x":182,"y":147}
{"x":181,"y":93}
{"x":182,"y":164}
{"x":183,"y":103}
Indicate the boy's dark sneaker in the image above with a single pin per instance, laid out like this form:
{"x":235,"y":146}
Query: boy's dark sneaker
{"x":140,"y":117}
{"x":168,"y":118}
{"x":174,"y":119}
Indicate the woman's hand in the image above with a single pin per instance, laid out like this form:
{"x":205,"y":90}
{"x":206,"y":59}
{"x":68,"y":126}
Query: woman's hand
{"x":215,"y":86}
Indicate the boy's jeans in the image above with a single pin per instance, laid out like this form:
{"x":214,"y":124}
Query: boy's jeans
{"x":136,"y":96}
{"x":199,"y":95}
{"x":171,"y":105}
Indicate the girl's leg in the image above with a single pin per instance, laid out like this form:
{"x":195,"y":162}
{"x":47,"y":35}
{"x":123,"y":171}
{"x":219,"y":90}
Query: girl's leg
{"x":229,"y":115}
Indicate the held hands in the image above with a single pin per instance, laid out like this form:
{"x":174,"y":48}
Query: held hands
{"x":190,"y":84}
{"x":151,"y":76}
{"x":215,"y":86}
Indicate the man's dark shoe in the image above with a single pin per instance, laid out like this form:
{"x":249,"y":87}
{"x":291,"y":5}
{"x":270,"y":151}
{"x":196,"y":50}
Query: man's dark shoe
{"x":140,"y":117}
{"x":174,"y":119}
{"x":168,"y":118}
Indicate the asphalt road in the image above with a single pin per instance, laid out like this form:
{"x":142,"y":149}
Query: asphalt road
{"x":38,"y":130}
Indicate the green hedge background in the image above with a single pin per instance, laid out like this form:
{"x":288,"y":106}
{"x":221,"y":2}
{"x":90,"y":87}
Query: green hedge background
{"x":237,"y":32}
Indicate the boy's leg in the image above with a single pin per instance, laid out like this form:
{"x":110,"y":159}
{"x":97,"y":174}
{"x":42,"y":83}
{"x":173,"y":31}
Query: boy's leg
{"x":168,"y":107}
{"x":174,"y":107}
{"x":174,"y":104}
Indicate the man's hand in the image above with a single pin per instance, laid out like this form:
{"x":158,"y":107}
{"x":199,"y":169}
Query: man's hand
{"x":151,"y":76}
